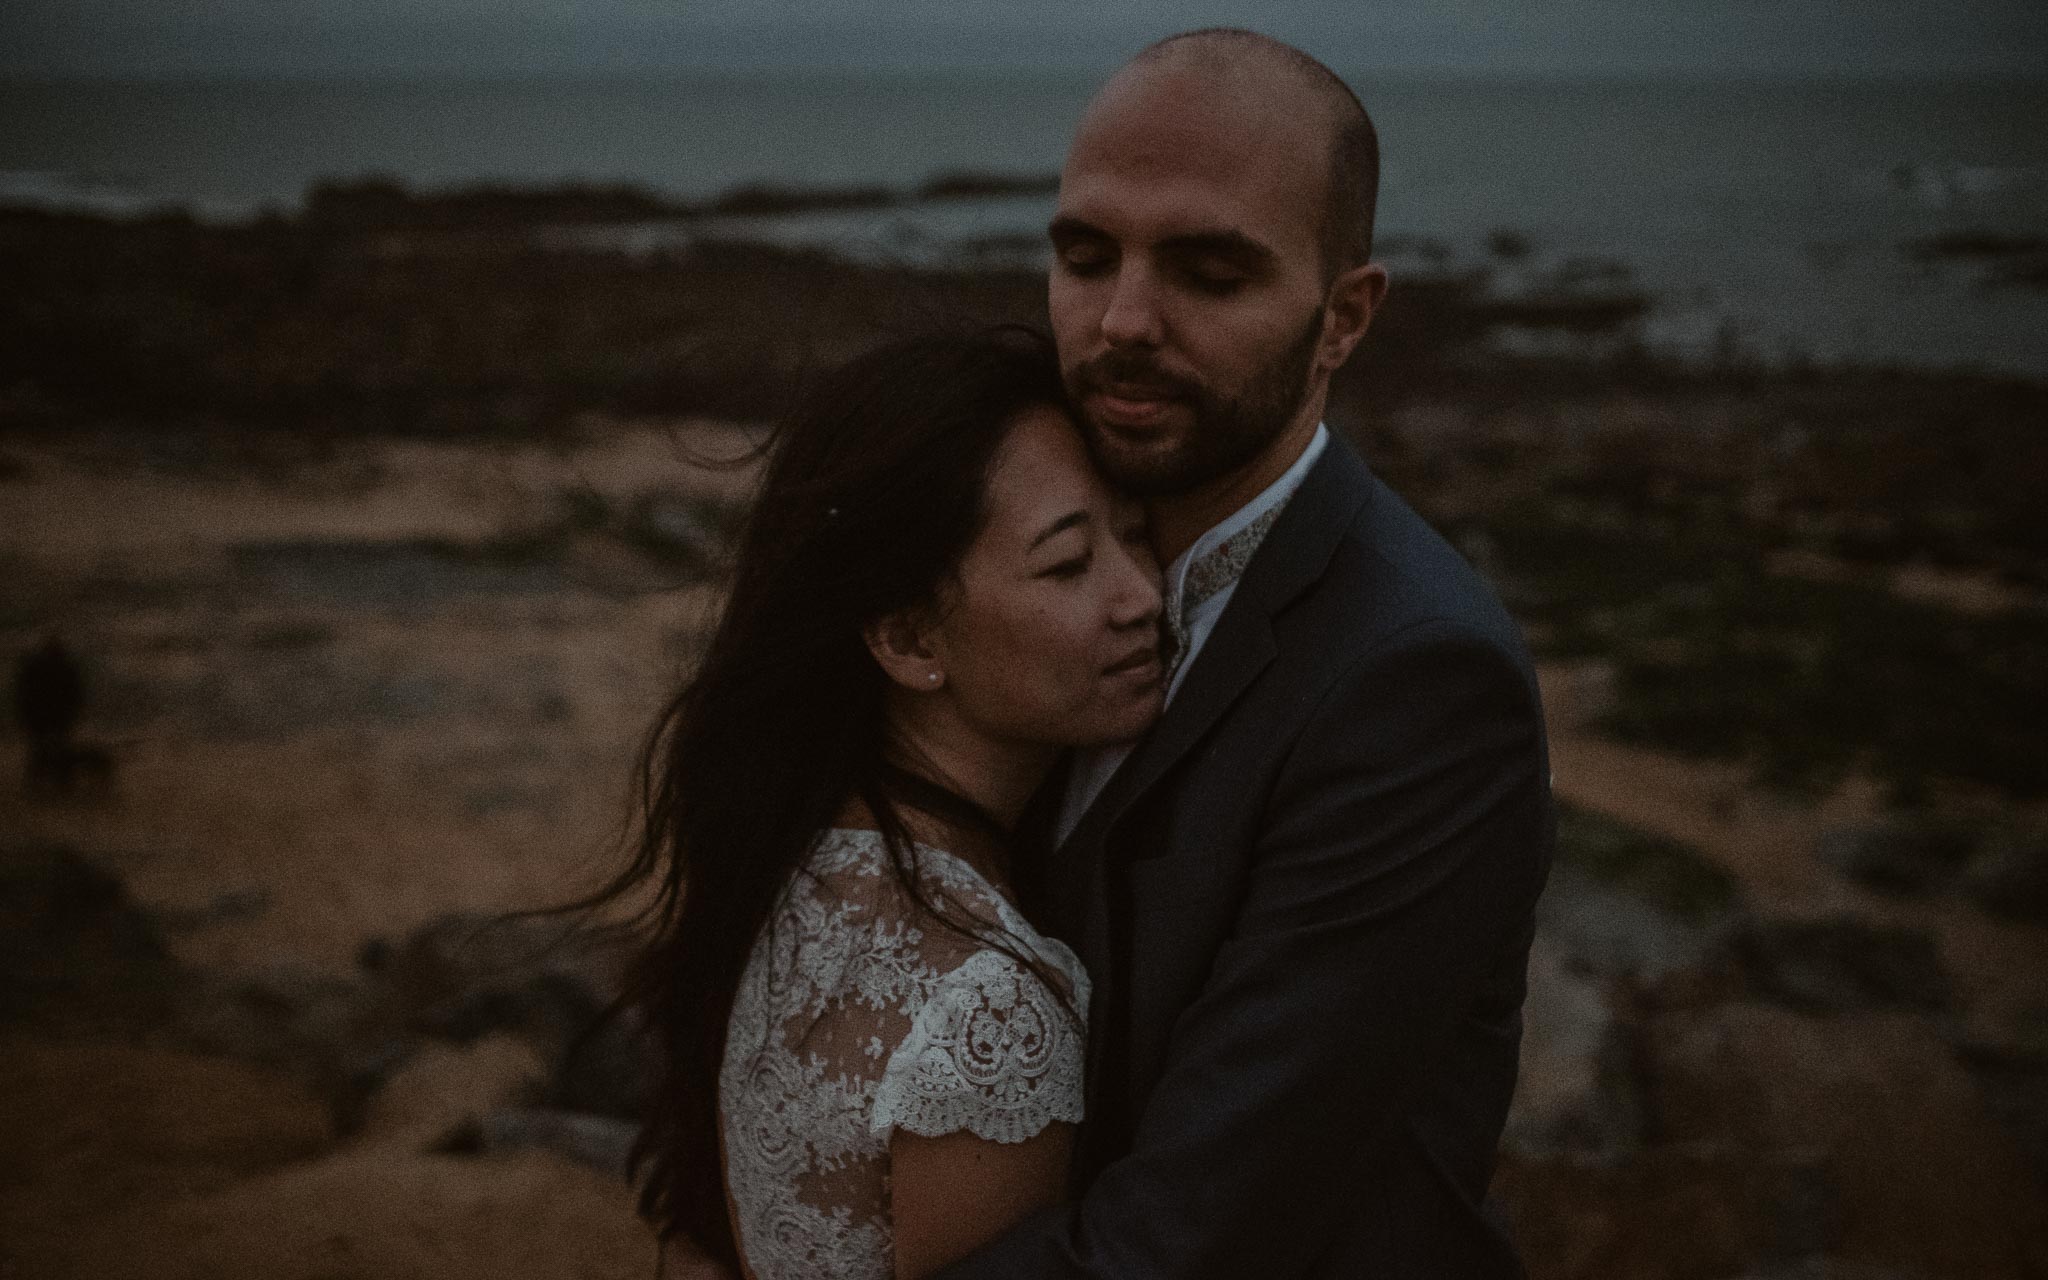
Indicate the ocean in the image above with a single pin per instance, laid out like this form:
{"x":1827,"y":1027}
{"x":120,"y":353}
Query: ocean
{"x":1777,"y":218}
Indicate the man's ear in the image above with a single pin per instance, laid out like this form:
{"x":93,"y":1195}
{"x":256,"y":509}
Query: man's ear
{"x":899,"y":647}
{"x":1348,"y":310}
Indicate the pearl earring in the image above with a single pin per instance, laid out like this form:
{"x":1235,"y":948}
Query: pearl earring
{"x":932,"y":676}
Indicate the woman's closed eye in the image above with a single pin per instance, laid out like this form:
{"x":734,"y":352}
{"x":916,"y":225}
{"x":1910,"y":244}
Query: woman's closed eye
{"x":1071,"y":567}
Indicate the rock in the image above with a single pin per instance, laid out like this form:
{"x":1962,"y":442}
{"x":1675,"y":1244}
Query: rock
{"x":225,"y":907}
{"x":610,"y":1070}
{"x":1605,"y":930}
{"x":1922,"y":1176}
{"x":1581,"y":692}
{"x":545,"y":1008}
{"x":2010,"y":877}
{"x":1678,"y":1212}
{"x":445,"y":1089}
{"x":1648,"y":868}
{"x":1842,"y":964}
{"x":544,"y":980}
{"x":2013,"y":1078}
{"x":463,"y":975}
{"x":1914,"y":853}
{"x":677,"y":529}
{"x":1575,"y":1092}
{"x":75,"y":950}
{"x":2002,"y":865}
{"x":331,"y":1029}
{"x":603,"y":1143}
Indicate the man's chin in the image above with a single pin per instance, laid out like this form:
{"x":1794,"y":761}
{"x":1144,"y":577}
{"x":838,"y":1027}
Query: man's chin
{"x":1148,"y":464}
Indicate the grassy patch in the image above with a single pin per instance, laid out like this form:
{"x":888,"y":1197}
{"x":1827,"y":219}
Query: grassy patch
{"x":1805,"y":680}
{"x":1648,"y":867}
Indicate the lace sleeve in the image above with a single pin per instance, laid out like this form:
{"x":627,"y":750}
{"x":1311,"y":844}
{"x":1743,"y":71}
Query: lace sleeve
{"x":991,"y":1051}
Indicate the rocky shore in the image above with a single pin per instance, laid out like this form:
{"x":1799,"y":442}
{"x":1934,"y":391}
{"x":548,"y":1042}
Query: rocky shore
{"x":379,"y":533}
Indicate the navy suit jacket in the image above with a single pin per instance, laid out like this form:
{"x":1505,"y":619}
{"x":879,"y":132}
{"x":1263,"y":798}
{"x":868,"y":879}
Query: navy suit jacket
{"x":1306,"y":901}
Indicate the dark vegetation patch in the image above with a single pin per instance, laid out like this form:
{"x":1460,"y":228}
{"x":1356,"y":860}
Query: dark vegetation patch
{"x":1661,"y":872}
{"x":1628,"y":506}
{"x":1646,"y":525}
{"x":1805,"y":680}
{"x":382,"y":310}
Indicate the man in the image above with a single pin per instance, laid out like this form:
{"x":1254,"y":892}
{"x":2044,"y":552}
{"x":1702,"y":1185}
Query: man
{"x":1306,"y":896}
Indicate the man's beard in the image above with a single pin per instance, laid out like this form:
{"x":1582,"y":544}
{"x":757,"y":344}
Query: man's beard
{"x":1225,"y":435}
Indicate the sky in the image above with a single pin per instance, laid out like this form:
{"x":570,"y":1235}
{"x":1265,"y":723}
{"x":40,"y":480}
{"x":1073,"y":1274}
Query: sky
{"x":428,"y":38}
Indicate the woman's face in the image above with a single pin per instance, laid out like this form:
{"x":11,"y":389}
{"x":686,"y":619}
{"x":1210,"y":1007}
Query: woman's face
{"x":1051,"y":634}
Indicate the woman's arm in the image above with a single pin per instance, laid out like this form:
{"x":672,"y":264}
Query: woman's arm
{"x":951,"y":1194}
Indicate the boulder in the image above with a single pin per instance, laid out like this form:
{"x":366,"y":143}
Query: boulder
{"x":334,"y":1031}
{"x":548,"y":981}
{"x":1923,"y":1177}
{"x":1842,"y":964}
{"x":2010,"y":876}
{"x":1576,"y":1092}
{"x":76,"y":953}
{"x":2013,"y":1077}
{"x":1604,"y":929}
{"x":459,"y":981}
{"x":445,"y":1089}
{"x":1902,"y":853}
{"x":678,"y":528}
{"x":603,"y":1143}
{"x":1696,"y":1211}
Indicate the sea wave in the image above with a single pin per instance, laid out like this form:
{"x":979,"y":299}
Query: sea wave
{"x":74,"y":193}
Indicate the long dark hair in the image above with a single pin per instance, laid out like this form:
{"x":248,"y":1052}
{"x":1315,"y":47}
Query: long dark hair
{"x":872,"y":493}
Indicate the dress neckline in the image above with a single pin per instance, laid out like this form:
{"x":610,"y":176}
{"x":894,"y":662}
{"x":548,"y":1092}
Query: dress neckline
{"x":872,"y":839}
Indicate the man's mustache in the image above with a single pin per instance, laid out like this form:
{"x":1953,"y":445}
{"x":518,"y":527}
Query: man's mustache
{"x":1133,"y":370}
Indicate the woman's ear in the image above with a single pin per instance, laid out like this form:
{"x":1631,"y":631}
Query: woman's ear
{"x":900,"y":649}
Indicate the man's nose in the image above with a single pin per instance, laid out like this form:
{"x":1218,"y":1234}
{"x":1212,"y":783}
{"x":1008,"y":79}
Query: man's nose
{"x":1132,"y":316}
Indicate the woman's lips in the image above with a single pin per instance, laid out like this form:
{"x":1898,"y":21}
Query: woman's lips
{"x":1140,"y":661}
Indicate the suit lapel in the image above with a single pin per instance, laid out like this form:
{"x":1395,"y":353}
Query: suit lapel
{"x":1292,"y":557}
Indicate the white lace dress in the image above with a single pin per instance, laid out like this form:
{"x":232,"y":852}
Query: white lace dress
{"x":857,"y":1014}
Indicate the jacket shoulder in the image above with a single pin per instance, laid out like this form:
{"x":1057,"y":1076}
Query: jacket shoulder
{"x":1391,"y":573}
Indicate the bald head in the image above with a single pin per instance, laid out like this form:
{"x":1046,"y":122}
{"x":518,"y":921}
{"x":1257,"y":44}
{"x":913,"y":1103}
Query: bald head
{"x":1240,"y":62}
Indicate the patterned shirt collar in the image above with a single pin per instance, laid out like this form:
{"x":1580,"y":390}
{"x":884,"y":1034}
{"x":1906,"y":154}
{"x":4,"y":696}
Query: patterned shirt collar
{"x":1218,"y":558}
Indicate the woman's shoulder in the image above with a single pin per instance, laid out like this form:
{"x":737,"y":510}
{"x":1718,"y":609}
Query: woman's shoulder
{"x":854,"y":867}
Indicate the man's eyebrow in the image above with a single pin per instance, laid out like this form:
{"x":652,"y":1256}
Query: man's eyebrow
{"x":1234,"y":245}
{"x":1068,"y":227}
{"x":1061,"y":525}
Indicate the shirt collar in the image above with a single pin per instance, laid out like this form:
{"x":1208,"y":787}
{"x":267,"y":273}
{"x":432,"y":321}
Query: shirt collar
{"x":1268,"y":499}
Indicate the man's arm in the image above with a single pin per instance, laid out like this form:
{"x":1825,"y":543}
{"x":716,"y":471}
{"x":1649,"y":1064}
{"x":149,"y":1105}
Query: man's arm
{"x":1405,"y":850}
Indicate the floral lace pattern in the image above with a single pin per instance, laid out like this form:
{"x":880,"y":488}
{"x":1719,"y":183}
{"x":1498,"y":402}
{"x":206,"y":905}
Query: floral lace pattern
{"x":856,"y":1015}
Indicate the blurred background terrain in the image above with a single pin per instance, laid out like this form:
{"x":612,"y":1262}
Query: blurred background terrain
{"x":376,"y":394}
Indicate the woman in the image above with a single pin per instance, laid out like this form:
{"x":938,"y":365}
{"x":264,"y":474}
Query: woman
{"x":873,"y":1062}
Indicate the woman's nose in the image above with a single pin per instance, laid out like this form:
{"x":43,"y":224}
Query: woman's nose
{"x":1140,"y":597}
